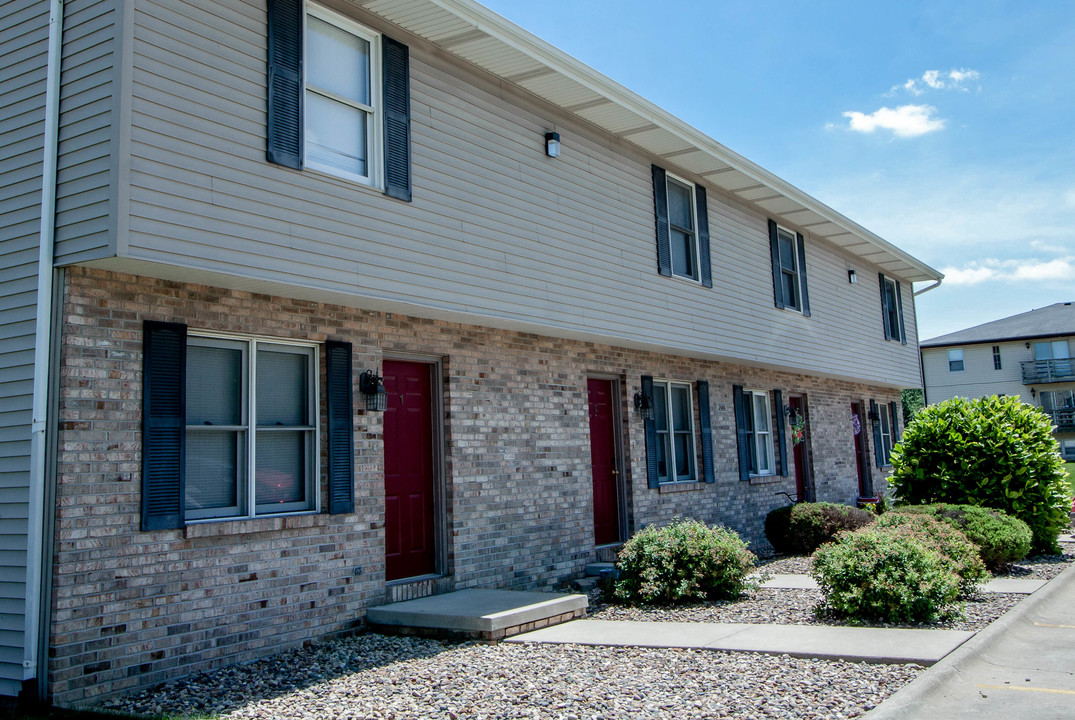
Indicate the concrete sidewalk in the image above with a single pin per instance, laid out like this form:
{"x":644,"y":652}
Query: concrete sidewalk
{"x":1021,"y":666}
{"x":879,"y":645}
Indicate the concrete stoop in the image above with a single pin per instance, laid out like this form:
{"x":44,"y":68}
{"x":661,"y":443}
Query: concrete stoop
{"x":477,"y":614}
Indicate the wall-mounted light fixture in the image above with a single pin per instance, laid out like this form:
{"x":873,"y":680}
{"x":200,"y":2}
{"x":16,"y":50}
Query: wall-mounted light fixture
{"x":644,"y":406}
{"x":1033,"y":392}
{"x":552,"y":144}
{"x":852,"y":277}
{"x":372,"y":386}
{"x":1028,"y":346}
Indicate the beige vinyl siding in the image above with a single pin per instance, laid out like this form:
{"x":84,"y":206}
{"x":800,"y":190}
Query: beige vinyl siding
{"x":497,"y":232}
{"x":23,"y":59}
{"x":85,"y":171}
{"x":978,"y":377}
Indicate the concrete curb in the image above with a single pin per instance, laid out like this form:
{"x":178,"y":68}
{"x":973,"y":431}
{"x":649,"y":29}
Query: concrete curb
{"x":899,"y":705}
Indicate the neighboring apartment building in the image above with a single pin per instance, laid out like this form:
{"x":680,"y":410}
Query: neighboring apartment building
{"x":331,"y":305}
{"x":1028,"y":355}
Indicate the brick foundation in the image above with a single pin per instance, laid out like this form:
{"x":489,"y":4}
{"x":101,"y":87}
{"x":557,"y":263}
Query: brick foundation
{"x":130,"y":609}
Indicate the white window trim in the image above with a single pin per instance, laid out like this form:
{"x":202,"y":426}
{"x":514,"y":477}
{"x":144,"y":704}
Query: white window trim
{"x":884,"y":416}
{"x":665,"y":386}
{"x":375,"y":134}
{"x":767,"y":448}
{"x":313,"y":480}
{"x":892,"y":316}
{"x":693,"y":193}
{"x":962,"y":360}
{"x":795,"y":260}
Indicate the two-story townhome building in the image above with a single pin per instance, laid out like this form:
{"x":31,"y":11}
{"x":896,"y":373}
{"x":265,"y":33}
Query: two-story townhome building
{"x":312,"y":306}
{"x":1028,"y":355}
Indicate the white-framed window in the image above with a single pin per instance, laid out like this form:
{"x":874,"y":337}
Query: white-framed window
{"x":788,"y":257}
{"x":673,"y":410}
{"x":891,"y":310}
{"x":955,"y":360}
{"x":997,"y":365}
{"x":885,"y":422}
{"x":252,"y":428}
{"x":682,"y":228}
{"x":343,"y":112}
{"x":759,"y":432}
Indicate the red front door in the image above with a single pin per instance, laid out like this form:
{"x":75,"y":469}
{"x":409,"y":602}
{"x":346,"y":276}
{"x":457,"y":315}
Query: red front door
{"x":410,"y":546}
{"x":798,"y":413}
{"x":858,"y":430}
{"x":606,"y":514}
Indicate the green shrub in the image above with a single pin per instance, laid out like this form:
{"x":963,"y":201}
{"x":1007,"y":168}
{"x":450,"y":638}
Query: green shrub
{"x":1000,"y":538}
{"x":777,"y":528}
{"x":943,"y":538}
{"x":994,"y":452}
{"x":878,"y":575}
{"x":812,"y":524}
{"x":683,"y":562}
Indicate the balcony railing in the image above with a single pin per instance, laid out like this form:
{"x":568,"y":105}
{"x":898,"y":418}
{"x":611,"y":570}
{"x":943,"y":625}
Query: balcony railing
{"x":1063,"y":419}
{"x":1048,"y":371}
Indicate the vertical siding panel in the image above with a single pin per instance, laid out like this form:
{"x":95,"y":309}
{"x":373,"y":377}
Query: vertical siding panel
{"x":22,"y":83}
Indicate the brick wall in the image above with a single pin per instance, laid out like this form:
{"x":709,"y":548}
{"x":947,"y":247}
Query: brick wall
{"x":131,"y":609}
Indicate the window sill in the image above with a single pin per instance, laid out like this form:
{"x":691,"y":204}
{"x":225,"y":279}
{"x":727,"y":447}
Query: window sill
{"x":241,"y":526}
{"x":678,"y":487}
{"x":766,"y":479}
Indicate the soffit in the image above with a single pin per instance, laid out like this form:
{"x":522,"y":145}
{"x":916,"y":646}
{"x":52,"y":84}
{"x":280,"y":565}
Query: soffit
{"x":480,"y":36}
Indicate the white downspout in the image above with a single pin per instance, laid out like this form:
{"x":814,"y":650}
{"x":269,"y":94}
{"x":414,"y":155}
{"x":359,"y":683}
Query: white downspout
{"x":926,"y":289}
{"x":43,"y":343}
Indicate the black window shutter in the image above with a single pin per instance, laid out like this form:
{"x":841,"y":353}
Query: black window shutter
{"x":708,"y":470}
{"x":884,"y":306}
{"x":660,"y":211}
{"x":774,"y":251}
{"x":650,"y":428}
{"x":341,"y":447}
{"x":703,"y":235}
{"x":164,"y":379}
{"x":742,"y":432}
{"x":875,"y":418}
{"x":781,"y":437}
{"x":895,"y":423}
{"x":284,"y":132}
{"x":899,"y":306}
{"x":397,"y":118}
{"x":802,"y":274}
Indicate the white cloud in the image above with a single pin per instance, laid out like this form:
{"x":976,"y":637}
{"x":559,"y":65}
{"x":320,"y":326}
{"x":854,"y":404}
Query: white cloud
{"x":903,"y":121}
{"x":1010,"y":271}
{"x":954,"y":79}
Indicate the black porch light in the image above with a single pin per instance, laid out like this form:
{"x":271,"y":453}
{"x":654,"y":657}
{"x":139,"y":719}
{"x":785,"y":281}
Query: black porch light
{"x":644,"y":405}
{"x":372,"y":386}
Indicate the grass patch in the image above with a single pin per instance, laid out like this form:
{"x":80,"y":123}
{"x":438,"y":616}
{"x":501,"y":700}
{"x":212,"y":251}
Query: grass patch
{"x":1070,"y":467}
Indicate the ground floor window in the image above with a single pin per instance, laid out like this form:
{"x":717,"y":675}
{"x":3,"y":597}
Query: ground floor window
{"x":760,"y":434}
{"x":251,"y":428}
{"x":886,"y":425}
{"x":674,"y":419}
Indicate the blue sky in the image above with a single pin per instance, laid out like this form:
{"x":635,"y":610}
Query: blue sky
{"x":948,"y":128}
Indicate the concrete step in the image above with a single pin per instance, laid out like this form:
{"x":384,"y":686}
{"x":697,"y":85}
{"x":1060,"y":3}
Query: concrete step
{"x":586,"y":584}
{"x":476,"y":613}
{"x":600,"y":569}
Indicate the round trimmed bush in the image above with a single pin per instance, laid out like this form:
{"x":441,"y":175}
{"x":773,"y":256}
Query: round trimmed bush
{"x":1001,"y":539}
{"x":778,"y":529}
{"x":875,"y":574}
{"x":945,"y":539}
{"x":681,"y":563}
{"x":812,"y":524}
{"x":994,"y":452}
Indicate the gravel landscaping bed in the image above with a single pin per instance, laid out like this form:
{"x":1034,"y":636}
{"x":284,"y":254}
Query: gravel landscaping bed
{"x":373,"y":676}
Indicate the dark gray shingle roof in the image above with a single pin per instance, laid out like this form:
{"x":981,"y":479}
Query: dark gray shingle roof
{"x":1057,"y":319}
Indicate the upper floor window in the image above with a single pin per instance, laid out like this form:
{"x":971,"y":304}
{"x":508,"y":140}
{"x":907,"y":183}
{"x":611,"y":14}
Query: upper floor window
{"x":788,"y":253}
{"x":343,"y":103}
{"x":338,"y":98}
{"x":892,"y":309}
{"x":682,"y":228}
{"x":996,"y":357}
{"x":955,"y":360}
{"x":674,"y":419}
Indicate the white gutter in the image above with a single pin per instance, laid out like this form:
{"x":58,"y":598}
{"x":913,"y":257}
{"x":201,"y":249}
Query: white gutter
{"x":43,"y":344}
{"x":926,"y":289}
